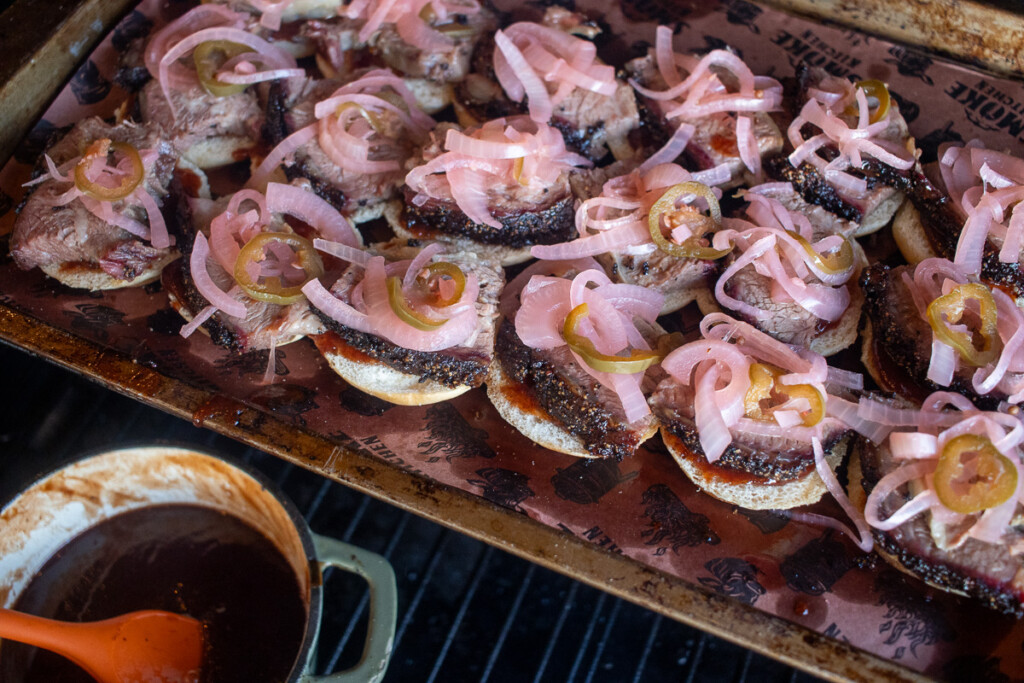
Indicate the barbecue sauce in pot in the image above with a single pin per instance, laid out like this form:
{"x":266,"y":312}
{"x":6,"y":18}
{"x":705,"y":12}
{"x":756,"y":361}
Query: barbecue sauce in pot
{"x":181,"y":558}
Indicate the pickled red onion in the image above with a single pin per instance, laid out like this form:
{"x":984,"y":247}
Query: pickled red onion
{"x":853,"y":141}
{"x":546,"y":301}
{"x":545,"y":64}
{"x":704,"y":93}
{"x":618,"y":217}
{"x":540,"y":148}
{"x":205,"y":284}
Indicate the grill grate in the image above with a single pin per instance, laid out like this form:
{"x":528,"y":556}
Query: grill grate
{"x":467,"y":611}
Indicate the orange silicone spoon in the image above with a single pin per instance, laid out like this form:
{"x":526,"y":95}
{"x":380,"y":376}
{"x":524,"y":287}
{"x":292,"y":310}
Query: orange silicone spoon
{"x":149,"y":645}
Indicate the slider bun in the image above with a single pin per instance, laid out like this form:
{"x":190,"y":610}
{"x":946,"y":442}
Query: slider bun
{"x":218,"y":151}
{"x":751,"y":494}
{"x":378,"y":379}
{"x":882,"y":214}
{"x":90,"y":276}
{"x":505,"y":394}
{"x":910,"y":236}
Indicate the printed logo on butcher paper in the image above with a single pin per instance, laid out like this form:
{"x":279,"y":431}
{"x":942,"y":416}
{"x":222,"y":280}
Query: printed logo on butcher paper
{"x":452,"y":436}
{"x":742,"y":13}
{"x":911,"y":620}
{"x":671,"y":525}
{"x":808,"y":49}
{"x":135,"y":25}
{"x":89,"y":86}
{"x":988,"y":107}
{"x":507,"y":488}
{"x":95,"y":320}
{"x":817,"y":566}
{"x":734,"y":577}
{"x":910,"y":63}
{"x":585,"y":481}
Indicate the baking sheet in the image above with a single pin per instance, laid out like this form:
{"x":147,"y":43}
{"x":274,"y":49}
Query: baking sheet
{"x":642,"y":509}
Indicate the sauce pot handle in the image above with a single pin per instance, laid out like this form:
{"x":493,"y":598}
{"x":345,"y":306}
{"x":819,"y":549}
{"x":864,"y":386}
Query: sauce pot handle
{"x":380,"y":636}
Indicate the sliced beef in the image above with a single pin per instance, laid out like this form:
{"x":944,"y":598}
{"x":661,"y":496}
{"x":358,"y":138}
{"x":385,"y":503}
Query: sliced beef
{"x":787,"y":321}
{"x":337,"y":46}
{"x":536,"y":213}
{"x":823,"y":222}
{"x":348,"y":191}
{"x":765,"y":460}
{"x":677,"y":278}
{"x":70,"y":237}
{"x":521,"y":225}
{"x":885,"y":183}
{"x":902,"y":339}
{"x":573,"y":398}
{"x":990,"y":573}
{"x":714,"y":139}
{"x":870,"y":212}
{"x":265,"y":324}
{"x":199,"y":116}
{"x":942,"y":224}
{"x":591,"y":124}
{"x":462,"y":365}
{"x":446,"y":66}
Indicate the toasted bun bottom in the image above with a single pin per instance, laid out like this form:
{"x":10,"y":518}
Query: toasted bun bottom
{"x":531,"y":419}
{"x":506,"y":256}
{"x":219,"y":151}
{"x":881,"y":216}
{"x":377,"y":379}
{"x":94,"y":278}
{"x":747,"y":491}
{"x":910,"y":236}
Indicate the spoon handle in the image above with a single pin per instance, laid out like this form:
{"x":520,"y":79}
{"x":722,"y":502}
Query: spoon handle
{"x":67,"y":639}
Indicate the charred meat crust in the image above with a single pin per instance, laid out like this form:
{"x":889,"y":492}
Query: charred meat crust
{"x":276,"y":129}
{"x":896,"y":336}
{"x":740,"y":460}
{"x":456,"y":368}
{"x":602,"y":435}
{"x":933,"y":570}
{"x":177,"y":280}
{"x":177,"y":277}
{"x":942,"y":226}
{"x":275,"y":125}
{"x":812,"y":186}
{"x":520,"y":228}
{"x":323,"y":189}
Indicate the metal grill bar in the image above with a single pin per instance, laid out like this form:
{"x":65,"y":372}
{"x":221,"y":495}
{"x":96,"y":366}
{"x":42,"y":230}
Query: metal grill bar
{"x":468,"y":612}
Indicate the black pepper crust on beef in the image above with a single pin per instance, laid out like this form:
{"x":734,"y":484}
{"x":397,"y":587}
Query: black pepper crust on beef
{"x":550,"y":224}
{"x":942,"y":226}
{"x":460,"y":367}
{"x":603,"y":435}
{"x":812,"y":186}
{"x":901,"y":340}
{"x":770,"y":460}
{"x":969,"y":569}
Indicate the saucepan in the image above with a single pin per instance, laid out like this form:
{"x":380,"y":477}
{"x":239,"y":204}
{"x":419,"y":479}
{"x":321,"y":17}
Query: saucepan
{"x":143,"y":503}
